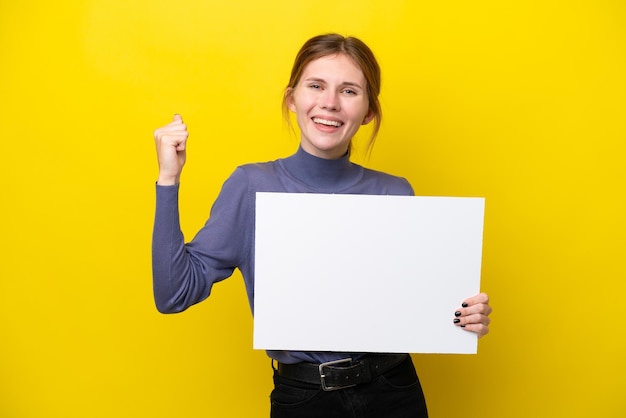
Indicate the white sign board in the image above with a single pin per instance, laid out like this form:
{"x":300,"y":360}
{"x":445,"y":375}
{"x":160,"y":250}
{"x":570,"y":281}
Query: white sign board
{"x":363,"y":273}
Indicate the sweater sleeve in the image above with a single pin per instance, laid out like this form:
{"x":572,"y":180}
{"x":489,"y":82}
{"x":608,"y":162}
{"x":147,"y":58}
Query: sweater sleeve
{"x":183,"y":274}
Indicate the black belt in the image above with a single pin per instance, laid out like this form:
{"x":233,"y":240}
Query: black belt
{"x":340,"y":374}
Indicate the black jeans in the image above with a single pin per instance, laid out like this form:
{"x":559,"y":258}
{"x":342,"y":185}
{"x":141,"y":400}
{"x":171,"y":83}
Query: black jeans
{"x":395,"y":394}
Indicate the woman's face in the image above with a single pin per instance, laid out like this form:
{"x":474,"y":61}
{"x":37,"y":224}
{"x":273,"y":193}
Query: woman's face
{"x":330,"y":102}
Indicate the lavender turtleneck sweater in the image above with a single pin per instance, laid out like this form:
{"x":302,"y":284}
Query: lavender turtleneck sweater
{"x":183,"y":274}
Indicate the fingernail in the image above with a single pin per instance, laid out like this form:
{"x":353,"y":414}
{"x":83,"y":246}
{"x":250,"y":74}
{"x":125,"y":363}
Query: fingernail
{"x":462,"y":326}
{"x":464,"y":305}
{"x":457,"y":320}
{"x":457,"y":313}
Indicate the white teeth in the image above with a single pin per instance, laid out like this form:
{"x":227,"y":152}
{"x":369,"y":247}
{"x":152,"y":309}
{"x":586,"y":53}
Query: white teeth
{"x":327,"y":122}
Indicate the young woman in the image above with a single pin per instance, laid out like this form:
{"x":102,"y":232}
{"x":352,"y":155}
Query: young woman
{"x":333,"y":90}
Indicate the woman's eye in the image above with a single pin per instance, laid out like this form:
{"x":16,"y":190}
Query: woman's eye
{"x":348,"y":91}
{"x":315,"y":86}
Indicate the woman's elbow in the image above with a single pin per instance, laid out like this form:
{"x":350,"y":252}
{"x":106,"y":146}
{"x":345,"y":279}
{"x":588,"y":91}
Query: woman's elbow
{"x":167,"y":306}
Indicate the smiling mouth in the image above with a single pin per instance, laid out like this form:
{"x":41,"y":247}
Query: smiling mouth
{"x":327,"y":122}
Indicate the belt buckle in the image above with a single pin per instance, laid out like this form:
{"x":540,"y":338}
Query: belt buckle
{"x":323,"y":376}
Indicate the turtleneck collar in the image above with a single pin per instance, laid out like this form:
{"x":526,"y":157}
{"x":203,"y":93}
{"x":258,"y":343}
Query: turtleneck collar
{"x":320,"y":174}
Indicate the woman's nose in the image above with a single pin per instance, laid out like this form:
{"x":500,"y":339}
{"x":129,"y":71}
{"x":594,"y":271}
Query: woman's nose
{"x":330,"y":100}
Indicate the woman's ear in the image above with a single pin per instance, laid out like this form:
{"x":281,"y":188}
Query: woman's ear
{"x":289,"y":99}
{"x":368,"y":118}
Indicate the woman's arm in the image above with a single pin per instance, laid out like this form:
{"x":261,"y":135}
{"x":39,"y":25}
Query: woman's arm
{"x":184,"y":273}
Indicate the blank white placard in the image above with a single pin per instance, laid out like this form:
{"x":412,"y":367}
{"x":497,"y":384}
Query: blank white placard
{"x":363,"y":273}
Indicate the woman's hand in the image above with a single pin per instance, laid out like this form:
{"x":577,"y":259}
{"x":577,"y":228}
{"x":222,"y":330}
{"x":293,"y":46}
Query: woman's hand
{"x":171,"y":141}
{"x":474,"y":314}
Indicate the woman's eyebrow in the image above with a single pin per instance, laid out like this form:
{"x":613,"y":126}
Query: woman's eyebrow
{"x":352,"y":84}
{"x":317,"y":80}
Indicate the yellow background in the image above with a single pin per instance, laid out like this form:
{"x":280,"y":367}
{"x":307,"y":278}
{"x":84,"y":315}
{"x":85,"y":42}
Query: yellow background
{"x":523,"y":102}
